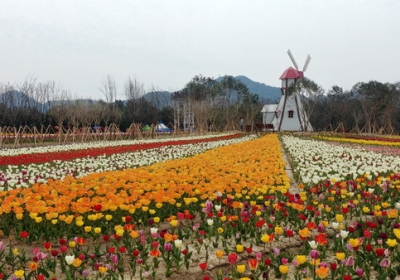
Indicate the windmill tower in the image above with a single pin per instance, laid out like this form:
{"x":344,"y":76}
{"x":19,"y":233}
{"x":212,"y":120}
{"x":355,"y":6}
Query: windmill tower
{"x":288,"y":114}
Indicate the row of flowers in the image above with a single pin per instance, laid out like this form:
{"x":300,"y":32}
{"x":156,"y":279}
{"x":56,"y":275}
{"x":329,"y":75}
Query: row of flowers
{"x":368,"y":140}
{"x":229,"y":205}
{"x":79,"y":150}
{"x":336,"y":162}
{"x":15,"y":176}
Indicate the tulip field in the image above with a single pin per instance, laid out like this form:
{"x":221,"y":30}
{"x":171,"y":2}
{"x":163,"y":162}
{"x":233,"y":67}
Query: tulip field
{"x":229,"y":206}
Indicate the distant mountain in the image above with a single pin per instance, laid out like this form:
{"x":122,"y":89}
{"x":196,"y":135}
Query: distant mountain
{"x":16,"y":98}
{"x":161,"y":98}
{"x":264,"y":92}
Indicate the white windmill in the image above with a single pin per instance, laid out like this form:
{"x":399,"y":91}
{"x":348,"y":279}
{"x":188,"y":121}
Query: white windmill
{"x":288,"y":114}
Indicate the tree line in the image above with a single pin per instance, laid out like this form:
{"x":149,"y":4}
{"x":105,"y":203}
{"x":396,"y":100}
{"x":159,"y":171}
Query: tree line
{"x":371,"y":106}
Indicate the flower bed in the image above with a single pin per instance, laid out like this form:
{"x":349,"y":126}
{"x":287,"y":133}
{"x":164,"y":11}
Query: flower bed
{"x":73,"y":151}
{"x":58,"y":168}
{"x":222,"y":214}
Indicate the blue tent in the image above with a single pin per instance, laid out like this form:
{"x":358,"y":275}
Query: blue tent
{"x":162,"y":128}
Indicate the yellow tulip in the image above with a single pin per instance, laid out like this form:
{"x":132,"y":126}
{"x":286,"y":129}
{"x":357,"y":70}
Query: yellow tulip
{"x":354,"y":242}
{"x":19,"y":273}
{"x":301,"y":259}
{"x":241,"y":268}
{"x":239,"y":248}
{"x":396,"y":232}
{"x":278,"y":230}
{"x":97,"y":230}
{"x":283,"y":269}
{"x":391,"y":242}
{"x":339,"y":218}
{"x":87,"y":229}
{"x":340,"y":256}
{"x":219,"y":254}
{"x":174,"y":223}
{"x":265,"y":238}
{"x":102,"y":269}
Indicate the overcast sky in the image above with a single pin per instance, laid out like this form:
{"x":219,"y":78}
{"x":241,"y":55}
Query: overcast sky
{"x":164,"y":44}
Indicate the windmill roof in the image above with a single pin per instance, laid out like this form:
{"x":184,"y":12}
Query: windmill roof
{"x":290,"y":73}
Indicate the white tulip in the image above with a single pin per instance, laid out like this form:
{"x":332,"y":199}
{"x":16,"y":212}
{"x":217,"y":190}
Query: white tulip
{"x":69,"y":259}
{"x":210,"y":222}
{"x":178,"y":243}
{"x":344,"y":233}
{"x":335,"y":225}
{"x":313,"y":244}
{"x":217,"y":207}
{"x":153,"y":230}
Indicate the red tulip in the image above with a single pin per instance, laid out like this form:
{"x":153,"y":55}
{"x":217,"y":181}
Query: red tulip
{"x":380,"y":252}
{"x":289,"y":233}
{"x":111,"y":250}
{"x":333,"y":266}
{"x":80,"y":240}
{"x":203,"y":266}
{"x":63,"y":249}
{"x":232,"y":258}
{"x":136,"y":253}
{"x":47,"y":245}
{"x":97,"y":207}
{"x":54,"y":253}
{"x":62,"y":241}
{"x":24,"y":234}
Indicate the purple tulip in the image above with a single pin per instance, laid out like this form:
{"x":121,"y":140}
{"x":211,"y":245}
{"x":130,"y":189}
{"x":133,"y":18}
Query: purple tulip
{"x":359,"y":271}
{"x":314,"y":254}
{"x":168,"y":247}
{"x":276,"y":251}
{"x":114,"y":258}
{"x":350,"y":261}
{"x":385,"y":263}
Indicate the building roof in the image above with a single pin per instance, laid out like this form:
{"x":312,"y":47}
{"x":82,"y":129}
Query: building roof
{"x":291,"y":73}
{"x":269,"y":108}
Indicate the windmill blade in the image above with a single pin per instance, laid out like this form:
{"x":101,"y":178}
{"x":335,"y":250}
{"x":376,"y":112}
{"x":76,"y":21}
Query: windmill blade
{"x":292,"y":58}
{"x":306,"y":63}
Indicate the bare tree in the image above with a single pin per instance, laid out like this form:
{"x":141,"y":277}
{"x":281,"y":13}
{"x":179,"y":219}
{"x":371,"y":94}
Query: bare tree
{"x":59,"y":108}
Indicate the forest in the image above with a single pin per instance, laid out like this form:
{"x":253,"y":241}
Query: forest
{"x":369,"y":107}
